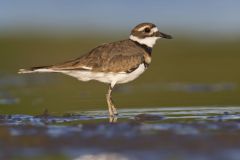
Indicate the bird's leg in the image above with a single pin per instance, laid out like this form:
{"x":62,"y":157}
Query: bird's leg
{"x":111,"y":108}
{"x":109,"y":101}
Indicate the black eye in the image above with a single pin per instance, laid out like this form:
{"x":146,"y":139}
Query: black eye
{"x":147,"y":30}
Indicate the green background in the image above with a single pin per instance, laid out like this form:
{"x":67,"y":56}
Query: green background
{"x":184,"y":72}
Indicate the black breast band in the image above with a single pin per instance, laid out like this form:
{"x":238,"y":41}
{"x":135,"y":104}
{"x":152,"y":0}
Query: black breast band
{"x":145,"y":47}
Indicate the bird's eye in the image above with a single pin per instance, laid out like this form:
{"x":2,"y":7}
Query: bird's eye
{"x":147,"y":30}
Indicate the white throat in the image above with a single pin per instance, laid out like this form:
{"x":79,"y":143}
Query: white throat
{"x":148,"y":41}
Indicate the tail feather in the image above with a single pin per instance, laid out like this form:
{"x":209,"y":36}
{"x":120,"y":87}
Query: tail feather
{"x":35,"y":69}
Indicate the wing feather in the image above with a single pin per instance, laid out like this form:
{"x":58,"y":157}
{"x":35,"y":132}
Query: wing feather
{"x":121,"y":56}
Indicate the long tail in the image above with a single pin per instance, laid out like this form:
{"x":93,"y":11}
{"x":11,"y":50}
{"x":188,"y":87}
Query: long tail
{"x":36,"y":69}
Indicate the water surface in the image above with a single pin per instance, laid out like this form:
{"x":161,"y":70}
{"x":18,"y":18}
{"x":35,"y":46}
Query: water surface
{"x":180,"y":133}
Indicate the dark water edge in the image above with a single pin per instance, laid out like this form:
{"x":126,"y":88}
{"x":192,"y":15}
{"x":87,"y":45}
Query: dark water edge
{"x":179,"y":133}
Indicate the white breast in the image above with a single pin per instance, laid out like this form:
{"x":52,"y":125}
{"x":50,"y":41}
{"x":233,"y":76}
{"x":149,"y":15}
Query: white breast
{"x":127,"y":77}
{"x":113,"y":78}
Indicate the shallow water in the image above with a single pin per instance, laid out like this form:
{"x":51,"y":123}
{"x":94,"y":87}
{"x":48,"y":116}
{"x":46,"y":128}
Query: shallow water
{"x":179,"y":133}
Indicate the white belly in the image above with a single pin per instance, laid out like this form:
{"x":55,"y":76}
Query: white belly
{"x":107,"y":77}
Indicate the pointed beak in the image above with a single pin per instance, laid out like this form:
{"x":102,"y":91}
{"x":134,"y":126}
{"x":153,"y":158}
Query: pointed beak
{"x":162,"y":35}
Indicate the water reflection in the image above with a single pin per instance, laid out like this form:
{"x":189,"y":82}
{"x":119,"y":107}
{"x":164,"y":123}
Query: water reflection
{"x":102,"y":156}
{"x":149,"y":133}
{"x":162,"y":114}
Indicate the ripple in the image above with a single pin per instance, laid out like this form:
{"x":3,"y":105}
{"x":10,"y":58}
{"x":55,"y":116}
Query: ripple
{"x":149,"y":133}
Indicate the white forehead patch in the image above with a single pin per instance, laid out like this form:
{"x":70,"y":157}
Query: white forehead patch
{"x":155,"y":29}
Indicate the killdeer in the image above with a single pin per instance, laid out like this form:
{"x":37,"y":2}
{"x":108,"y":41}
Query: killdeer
{"x":112,"y":63}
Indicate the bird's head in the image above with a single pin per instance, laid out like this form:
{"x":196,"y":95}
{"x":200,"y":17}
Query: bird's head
{"x":147,"y":34}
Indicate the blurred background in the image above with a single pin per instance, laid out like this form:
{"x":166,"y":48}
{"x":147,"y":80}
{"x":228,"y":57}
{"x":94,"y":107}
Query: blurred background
{"x":199,"y":67}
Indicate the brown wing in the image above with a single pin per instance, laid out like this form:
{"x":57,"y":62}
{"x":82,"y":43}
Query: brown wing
{"x":122,"y":56}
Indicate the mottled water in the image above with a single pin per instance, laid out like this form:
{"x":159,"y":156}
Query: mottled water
{"x":181,"y":133}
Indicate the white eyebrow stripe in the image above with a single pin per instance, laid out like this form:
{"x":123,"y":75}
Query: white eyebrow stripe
{"x":142,"y":28}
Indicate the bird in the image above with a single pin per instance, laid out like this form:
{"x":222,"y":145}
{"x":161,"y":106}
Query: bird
{"x":111,"y":63}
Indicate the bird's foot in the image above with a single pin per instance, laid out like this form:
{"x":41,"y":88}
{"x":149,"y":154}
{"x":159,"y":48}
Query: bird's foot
{"x":112,"y":111}
{"x":111,"y":108}
{"x":112,"y":114}
{"x":112,"y":119}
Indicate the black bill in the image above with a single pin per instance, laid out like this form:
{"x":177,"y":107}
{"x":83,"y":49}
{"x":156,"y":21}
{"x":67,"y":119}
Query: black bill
{"x":163,"y":35}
